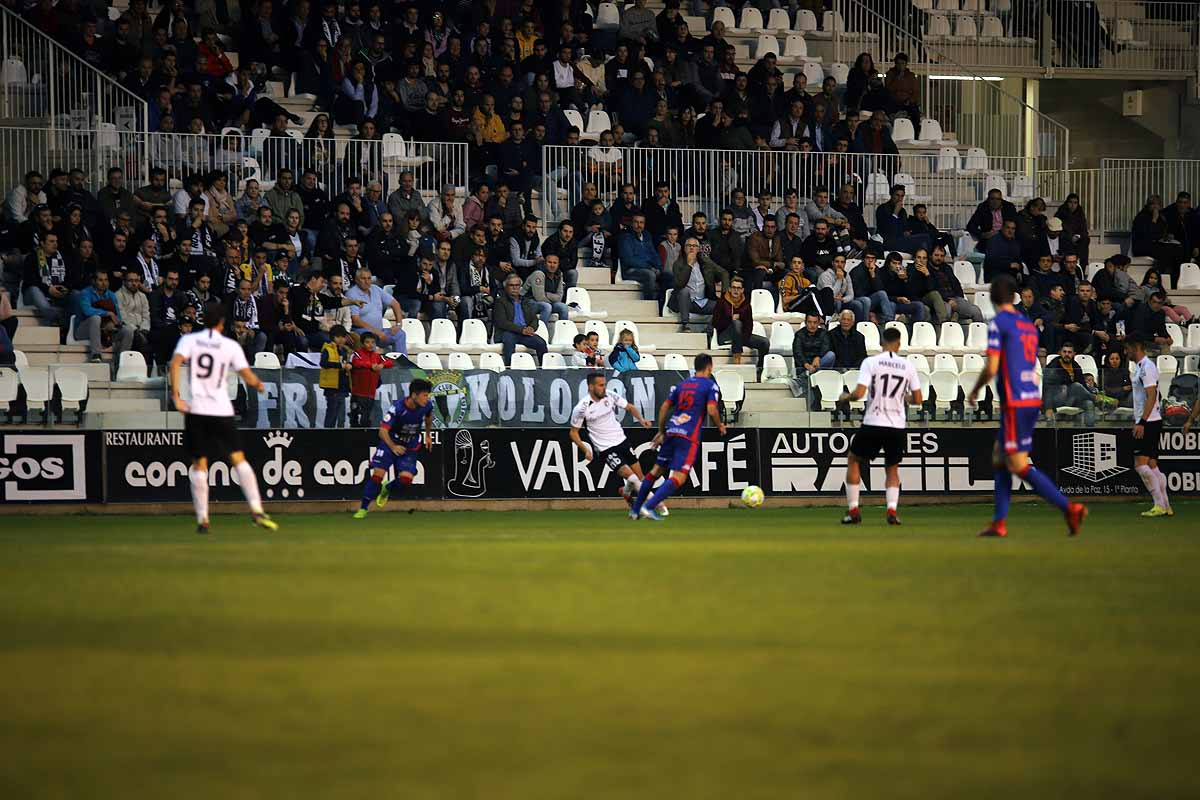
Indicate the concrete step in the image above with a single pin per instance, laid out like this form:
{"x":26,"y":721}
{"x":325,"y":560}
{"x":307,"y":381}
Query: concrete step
{"x":44,"y":355}
{"x":123,"y":405}
{"x":622,"y":306}
{"x":759,"y":399}
{"x":32,"y":334}
{"x":120,"y":420}
{"x":96,"y":372}
{"x":780,"y":419}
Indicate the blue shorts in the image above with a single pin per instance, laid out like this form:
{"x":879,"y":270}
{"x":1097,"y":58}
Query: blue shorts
{"x":677,"y":453}
{"x":383,"y":458}
{"x":1016,"y":429}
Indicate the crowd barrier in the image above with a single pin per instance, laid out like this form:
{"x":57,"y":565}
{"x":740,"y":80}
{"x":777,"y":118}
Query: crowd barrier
{"x":541,"y":463}
{"x":1125,"y":183}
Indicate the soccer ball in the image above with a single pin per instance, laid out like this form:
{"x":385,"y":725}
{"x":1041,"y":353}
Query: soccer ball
{"x":752,"y":497}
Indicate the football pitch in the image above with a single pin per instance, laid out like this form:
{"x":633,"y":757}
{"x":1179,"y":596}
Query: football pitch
{"x":721,"y":654}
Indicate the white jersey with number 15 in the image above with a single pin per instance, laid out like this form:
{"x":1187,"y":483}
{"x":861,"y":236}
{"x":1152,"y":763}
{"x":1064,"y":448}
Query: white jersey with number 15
{"x":212,"y":359}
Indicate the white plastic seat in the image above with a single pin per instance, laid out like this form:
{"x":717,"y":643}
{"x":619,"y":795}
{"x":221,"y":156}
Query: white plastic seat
{"x":523,"y":362}
{"x":724,"y":14}
{"x":972,"y":363}
{"x":1192,"y":346}
{"x":21,"y":360}
{"x":775,"y":369}
{"x":428,"y":360}
{"x":924,"y":338}
{"x":460,"y":360}
{"x":474,"y":336}
{"x":984,"y":301}
{"x":920,"y":361}
{"x":952,"y":339}
{"x":965,"y":272}
{"x":1088,"y":364}
{"x":10,"y":382}
{"x":491,"y":360}
{"x":948,"y":161}
{"x":676,"y":362}
{"x":579,"y":297}
{"x":36,"y":381}
{"x":752,"y":19}
{"x":600,"y":329}
{"x":878,"y":188}
{"x":564,"y":335}
{"x":991,"y":29}
{"x":608,"y":17}
{"x":13,"y":72}
{"x":733,"y":388}
{"x":575,"y":120}
{"x":993,"y":181}
{"x":442,"y":334}
{"x":762,"y":304}
{"x":812,"y":70}
{"x":1165,"y":363}
{"x":977,"y":337}
{"x":832,"y":21}
{"x":965,"y":28}
{"x":945,"y":362}
{"x":870,"y":332}
{"x":781,"y":337}
{"x":830,"y":383}
{"x":902,"y":130}
{"x":71,"y":330}
{"x":839,"y":71}
{"x":777,"y":20}
{"x":938,"y":27}
{"x":648,"y":362}
{"x":899,"y":326}
{"x":794,"y":47}
{"x":850,"y":383}
{"x":767,"y":43}
{"x":1176,"y":334}
{"x":72,"y":386}
{"x":132,"y":367}
{"x":806,"y":20}
{"x":1093,"y":269}
{"x":1189,"y":276}
{"x":553,"y":361}
{"x":598,"y":122}
{"x":910,"y":188}
{"x":414,"y":332}
{"x":263,"y":360}
{"x":1022,"y":188}
{"x":976,"y":160}
{"x":945,"y":387}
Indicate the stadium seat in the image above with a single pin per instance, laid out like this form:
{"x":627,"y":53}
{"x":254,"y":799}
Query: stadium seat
{"x":1192,"y":345}
{"x":36,"y":381}
{"x":1176,"y":334}
{"x":608,"y":17}
{"x":752,"y":19}
{"x":132,"y":367}
{"x":523,"y":362}
{"x":733,"y":392}
{"x":581,"y":301}
{"x":1088,"y":364}
{"x":1094,"y":268}
{"x":676,"y":362}
{"x":795,"y":49}
{"x":976,"y":161}
{"x":991,"y":29}
{"x":474,"y":336}
{"x":839,"y":71}
{"x":72,"y":386}
{"x":775,"y":369}
{"x":553,"y":361}
{"x":910,"y":188}
{"x":965,"y":272}
{"x":850,"y":383}
{"x":903,"y":333}
{"x":414,"y":332}
{"x":20,"y":359}
{"x":984,"y":301}
{"x":924,"y":338}
{"x":870,"y":332}
{"x":724,"y":15}
{"x":1191,"y":365}
{"x":937,"y":27}
{"x":767,"y":43}
{"x":1165,"y":363}
{"x":648,"y":362}
{"x":491,"y":360}
{"x":952,"y":340}
{"x":1022,"y":189}
{"x":945,"y":387}
{"x":564,"y":335}
{"x":10,"y":382}
{"x":777,"y":20}
{"x":575,"y":120}
{"x":948,"y":161}
{"x":263,"y":360}
{"x":1189,"y":276}
{"x":902,"y":130}
{"x":920,"y":361}
{"x":832,"y":21}
{"x":442,"y":334}
{"x":598,"y":122}
{"x":812,"y":70}
{"x":762,"y":304}
{"x":944,"y":362}
{"x":396,"y":153}
{"x":781,"y":337}
{"x":972,"y":363}
{"x":977,"y":337}
{"x":461,"y":361}
{"x":601,"y":331}
{"x":71,"y":331}
{"x":878,"y":188}
{"x":947,"y":6}
{"x":994,"y":181}
{"x":806,"y":20}
{"x":428,"y":360}
{"x":965,"y":29}
{"x":923,"y":377}
{"x":829,"y":383}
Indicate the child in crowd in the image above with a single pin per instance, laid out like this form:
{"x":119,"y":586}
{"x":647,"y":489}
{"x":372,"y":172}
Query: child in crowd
{"x":335,"y":375}
{"x":625,"y":355}
{"x":365,"y":366}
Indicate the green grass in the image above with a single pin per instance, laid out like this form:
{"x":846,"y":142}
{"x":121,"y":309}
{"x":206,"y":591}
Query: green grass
{"x":722,"y":654}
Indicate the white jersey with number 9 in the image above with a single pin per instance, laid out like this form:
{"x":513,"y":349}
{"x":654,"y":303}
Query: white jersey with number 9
{"x":212,"y":359}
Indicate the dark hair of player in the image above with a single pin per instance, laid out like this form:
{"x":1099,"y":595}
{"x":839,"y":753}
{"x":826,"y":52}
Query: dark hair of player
{"x":215,"y":315}
{"x":703,"y":362}
{"x":891,"y":335}
{"x":420,"y":386}
{"x":1003,"y":289}
{"x":593,"y":377}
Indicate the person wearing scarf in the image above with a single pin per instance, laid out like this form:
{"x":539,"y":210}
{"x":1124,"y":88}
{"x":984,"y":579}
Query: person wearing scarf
{"x":734,"y":324}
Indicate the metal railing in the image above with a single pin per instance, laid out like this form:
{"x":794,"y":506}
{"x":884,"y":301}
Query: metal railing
{"x":243,"y":157}
{"x":971,"y":105}
{"x":1125,"y":183}
{"x":950,"y":185}
{"x":45,"y":84}
{"x":1120,"y":36}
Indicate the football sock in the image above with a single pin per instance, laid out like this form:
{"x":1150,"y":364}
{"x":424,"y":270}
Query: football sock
{"x":199,"y":480}
{"x":1042,"y":484}
{"x":1162,"y":487}
{"x":400,"y":484}
{"x":371,"y":489}
{"x":662,"y":493}
{"x":643,"y":493}
{"x":249,"y":484}
{"x":1151,"y":481}
{"x":633,"y":485}
{"x":1003,"y":481}
{"x":893,"y":496}
{"x":852,"y":492}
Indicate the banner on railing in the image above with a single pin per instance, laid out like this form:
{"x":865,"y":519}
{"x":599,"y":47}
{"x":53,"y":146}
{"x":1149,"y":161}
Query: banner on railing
{"x":476,"y":398}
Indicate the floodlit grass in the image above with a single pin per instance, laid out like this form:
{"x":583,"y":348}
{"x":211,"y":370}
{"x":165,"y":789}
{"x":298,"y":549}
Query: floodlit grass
{"x":722,"y":654}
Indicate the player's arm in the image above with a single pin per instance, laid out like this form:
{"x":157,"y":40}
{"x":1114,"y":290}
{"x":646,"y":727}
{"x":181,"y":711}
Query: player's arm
{"x":1139,"y":427}
{"x":251,"y":380}
{"x":664,"y":413}
{"x":176,"y":364}
{"x":385,"y":436}
{"x":859,"y":391}
{"x":637,"y":415}
{"x":714,"y":413}
{"x":1187,"y":425}
{"x":578,"y":441}
{"x":990,"y":367}
{"x":429,"y":431}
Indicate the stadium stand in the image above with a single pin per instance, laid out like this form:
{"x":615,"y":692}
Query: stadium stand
{"x":259,"y":161}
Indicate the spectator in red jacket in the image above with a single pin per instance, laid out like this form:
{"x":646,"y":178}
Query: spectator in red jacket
{"x":365,"y":365}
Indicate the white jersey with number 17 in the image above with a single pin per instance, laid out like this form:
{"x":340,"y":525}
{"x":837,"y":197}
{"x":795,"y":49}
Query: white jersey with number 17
{"x":889,"y":380}
{"x":212,"y":359}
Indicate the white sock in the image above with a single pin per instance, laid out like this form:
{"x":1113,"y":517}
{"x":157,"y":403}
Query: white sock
{"x":1162,"y":487}
{"x":852,"y":492}
{"x":1151,"y":481}
{"x":199,"y":480}
{"x":893,"y":497}
{"x":249,"y":484}
{"x":633,"y":484}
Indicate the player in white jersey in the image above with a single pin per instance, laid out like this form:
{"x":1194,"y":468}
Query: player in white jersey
{"x":598,"y":411}
{"x":1147,"y":426}
{"x":209,"y":431}
{"x":887,"y":380}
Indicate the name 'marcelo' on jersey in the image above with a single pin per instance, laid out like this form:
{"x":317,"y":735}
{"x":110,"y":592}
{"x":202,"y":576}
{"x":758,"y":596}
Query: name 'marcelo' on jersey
{"x":889,"y":380}
{"x":406,"y":424}
{"x":1015,"y":339}
{"x":690,"y":400}
{"x":600,"y":417}
{"x":212,"y":359}
{"x":1145,"y":373}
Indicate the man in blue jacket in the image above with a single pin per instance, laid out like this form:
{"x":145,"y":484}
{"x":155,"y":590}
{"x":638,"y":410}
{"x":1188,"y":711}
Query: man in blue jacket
{"x":639,"y":259}
{"x":98,"y":308}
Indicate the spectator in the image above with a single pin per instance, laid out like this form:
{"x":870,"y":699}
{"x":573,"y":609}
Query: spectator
{"x":1031,"y":228}
{"x":565,"y":246}
{"x":152,"y":196}
{"x":1113,"y":282}
{"x":548,"y":290}
{"x":1075,"y":226}
{"x":25,"y":197}
{"x":639,"y":260}
{"x":919,"y":224}
{"x":406,"y":198}
{"x":1151,"y":236}
{"x":1151,"y":285}
{"x":624,"y":356}
{"x":1003,"y":254}
{"x":697,"y":282}
{"x":869,"y":285}
{"x":661,"y":211}
{"x":989,"y":217}
{"x":891,"y":222}
{"x":100,"y":319}
{"x":134,"y":309}
{"x":475,"y":208}
{"x":166,"y":307}
{"x":1080,"y":315}
{"x":1106,"y":337}
{"x":8,"y":318}
{"x":365,"y":365}
{"x":904,"y":88}
{"x":837,"y":281}
{"x":856,"y":225}
{"x":902,"y":291}
{"x":875,"y":137}
{"x":335,"y":375}
{"x":764,"y":256}
{"x":860,"y":76}
{"x":1148,"y":322}
{"x":946,"y":283}
{"x":47,"y":281}
{"x":849,"y":345}
{"x":733,"y":321}
{"x":1115,"y":382}
{"x":794,"y":285}
{"x":1062,"y":385}
{"x":812,"y":348}
{"x":512,"y":321}
{"x":1043,"y":277}
{"x":241,"y":307}
{"x":1051,"y":309}
{"x":525,"y":250}
{"x":113,"y":196}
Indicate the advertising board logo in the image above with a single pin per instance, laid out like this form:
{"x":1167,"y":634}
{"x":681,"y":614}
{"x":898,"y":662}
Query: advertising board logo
{"x":471,"y":465}
{"x":1094,"y":457}
{"x":41,"y":467}
{"x":451,"y":397}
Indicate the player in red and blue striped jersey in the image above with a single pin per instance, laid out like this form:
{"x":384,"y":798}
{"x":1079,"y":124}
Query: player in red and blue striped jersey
{"x":680,"y":420}
{"x":1012,"y":354}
